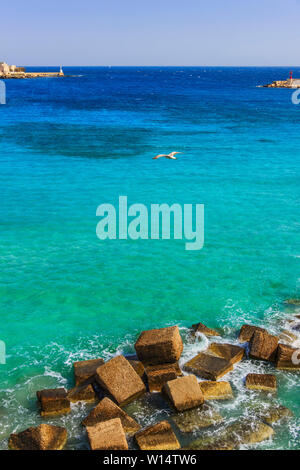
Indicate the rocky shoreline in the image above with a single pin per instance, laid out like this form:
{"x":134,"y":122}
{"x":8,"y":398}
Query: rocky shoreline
{"x":153,"y":379}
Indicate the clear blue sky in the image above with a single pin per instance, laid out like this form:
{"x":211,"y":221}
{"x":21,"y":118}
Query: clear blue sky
{"x":150,"y":32}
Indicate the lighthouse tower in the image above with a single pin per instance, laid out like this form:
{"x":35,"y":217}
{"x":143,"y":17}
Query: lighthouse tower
{"x":290,"y":80}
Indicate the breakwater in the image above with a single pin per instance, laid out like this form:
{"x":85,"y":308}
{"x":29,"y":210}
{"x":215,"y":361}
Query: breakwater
{"x":289,"y":83}
{"x":180,"y":398}
{"x":19,"y":75}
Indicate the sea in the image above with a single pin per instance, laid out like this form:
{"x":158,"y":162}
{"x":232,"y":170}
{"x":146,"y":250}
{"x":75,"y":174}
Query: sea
{"x":68,"y":145}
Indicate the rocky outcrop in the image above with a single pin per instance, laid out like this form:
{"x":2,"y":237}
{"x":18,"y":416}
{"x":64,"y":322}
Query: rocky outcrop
{"x":208,"y":367}
{"x":84,"y":393}
{"x":198,"y":418}
{"x":247,"y":332}
{"x":159,"y":346}
{"x":120,"y":380}
{"x":107,"y":435}
{"x":107,"y":410}
{"x":272,"y":413}
{"x":201,"y":328}
{"x":265,"y":382}
{"x":230,"y":352}
{"x":288,"y":358}
{"x":157,"y":437}
{"x":53,"y":402}
{"x":242,"y":432}
{"x":159,"y":375}
{"x":263,"y":346}
{"x":138,"y":367}
{"x":85,"y":371}
{"x":184,"y":393}
{"x":249,"y":431}
{"x":42,"y":437}
{"x":216,"y":390}
{"x":149,"y":404}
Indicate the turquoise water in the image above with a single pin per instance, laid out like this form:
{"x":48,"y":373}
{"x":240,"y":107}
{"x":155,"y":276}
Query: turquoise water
{"x":68,"y":145}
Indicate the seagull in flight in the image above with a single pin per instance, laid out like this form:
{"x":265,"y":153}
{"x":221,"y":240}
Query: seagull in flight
{"x":170,"y":156}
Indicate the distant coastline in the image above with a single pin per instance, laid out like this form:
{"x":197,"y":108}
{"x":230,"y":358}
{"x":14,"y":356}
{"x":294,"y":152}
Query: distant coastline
{"x":14,"y":72}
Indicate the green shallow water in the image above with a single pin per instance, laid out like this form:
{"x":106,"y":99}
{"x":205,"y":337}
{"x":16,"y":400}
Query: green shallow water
{"x":68,"y":146}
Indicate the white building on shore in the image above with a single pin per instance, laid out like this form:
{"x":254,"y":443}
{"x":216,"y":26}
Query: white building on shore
{"x":6,"y":69}
{"x":295,"y":83}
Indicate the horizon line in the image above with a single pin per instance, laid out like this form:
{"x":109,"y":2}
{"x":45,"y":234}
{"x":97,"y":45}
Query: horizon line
{"x":182,"y":66}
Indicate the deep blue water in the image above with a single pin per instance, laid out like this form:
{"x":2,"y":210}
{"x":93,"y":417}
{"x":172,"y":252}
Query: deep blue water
{"x":70,"y":144}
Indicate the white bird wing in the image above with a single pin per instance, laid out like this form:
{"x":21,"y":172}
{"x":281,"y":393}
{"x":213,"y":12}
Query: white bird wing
{"x":173,"y":153}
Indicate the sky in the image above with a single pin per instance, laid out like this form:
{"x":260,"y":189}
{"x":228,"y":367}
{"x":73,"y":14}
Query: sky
{"x":150,"y":32}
